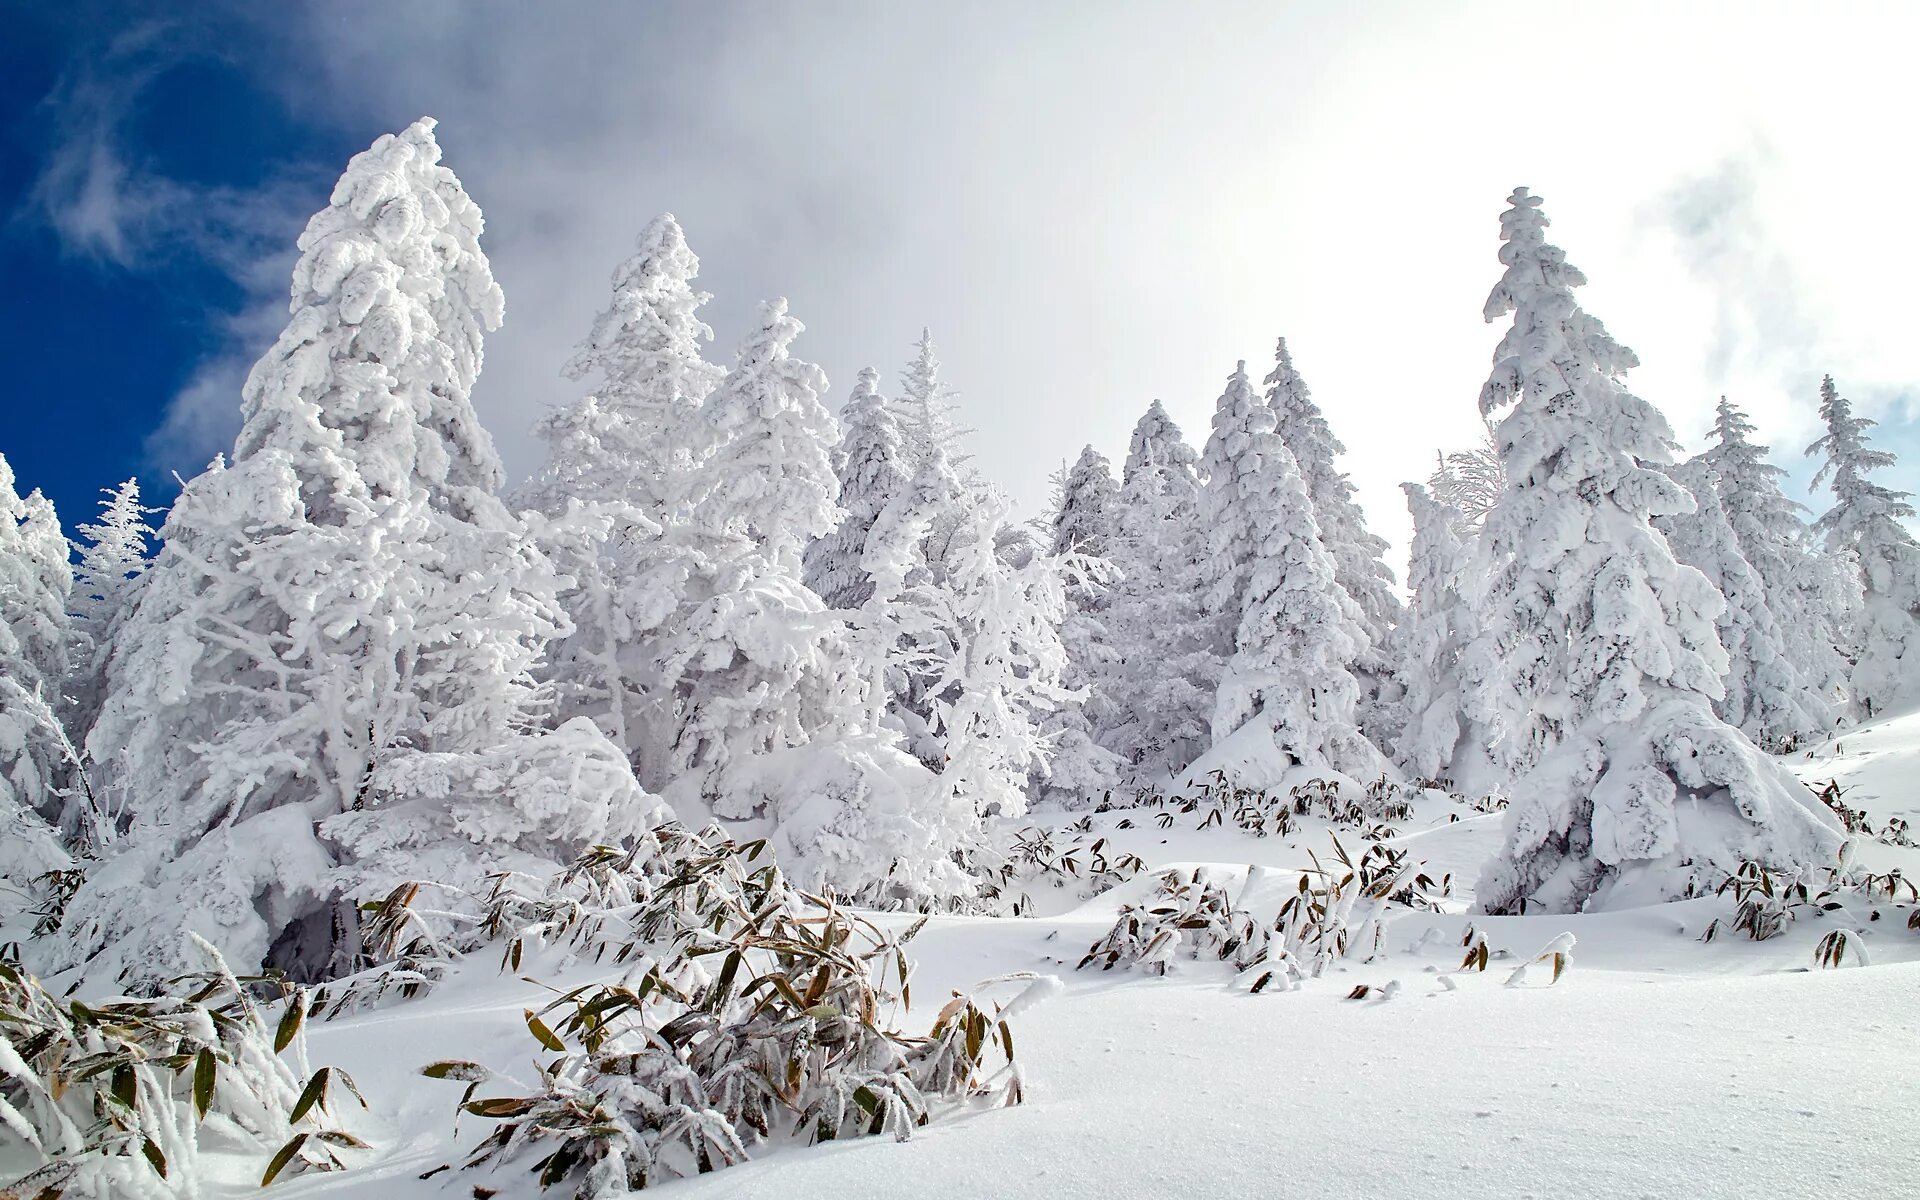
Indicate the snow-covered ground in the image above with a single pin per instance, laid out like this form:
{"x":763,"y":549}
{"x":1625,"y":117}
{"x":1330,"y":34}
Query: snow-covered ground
{"x":1658,"y":1065}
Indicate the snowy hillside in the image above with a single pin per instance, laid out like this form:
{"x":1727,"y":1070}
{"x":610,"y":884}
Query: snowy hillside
{"x":1656,"y":1065}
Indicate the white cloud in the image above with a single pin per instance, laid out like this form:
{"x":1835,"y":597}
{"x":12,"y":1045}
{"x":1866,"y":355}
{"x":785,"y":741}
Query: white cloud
{"x":1094,"y":206}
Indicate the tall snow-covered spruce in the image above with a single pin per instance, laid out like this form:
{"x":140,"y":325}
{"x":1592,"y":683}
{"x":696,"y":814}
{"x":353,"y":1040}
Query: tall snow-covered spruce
{"x":636,"y":436}
{"x":1764,"y":695}
{"x":1865,"y":520}
{"x":1434,"y":745}
{"x":1165,"y":666}
{"x":325,"y":688}
{"x":1796,"y":575}
{"x":926,"y":408}
{"x":1297,"y":633}
{"x":1597,"y":663}
{"x":1359,"y":564}
{"x":34,"y":585}
{"x":871,"y":465}
{"x":1079,"y":770}
{"x":106,"y":581}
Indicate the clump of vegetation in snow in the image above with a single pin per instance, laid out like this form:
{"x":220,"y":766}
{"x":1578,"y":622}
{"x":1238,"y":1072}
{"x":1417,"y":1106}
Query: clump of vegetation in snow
{"x":115,"y":1099}
{"x":1334,"y":913}
{"x":1769,"y":901}
{"x":678,"y":1067}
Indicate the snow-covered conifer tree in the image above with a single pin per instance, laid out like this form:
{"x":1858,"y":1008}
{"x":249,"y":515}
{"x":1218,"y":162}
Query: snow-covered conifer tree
{"x":1223,"y":514}
{"x":871,"y":466}
{"x":106,"y":581}
{"x":1596,"y":662}
{"x":1765,"y":696}
{"x":1165,"y":667}
{"x":1865,"y":520}
{"x":771,"y":478}
{"x":1358,"y":555}
{"x":324,"y":689}
{"x":1792,"y":571}
{"x":751,"y":693}
{"x":635,"y":437}
{"x":926,"y":409}
{"x":1438,"y":624}
{"x":1083,"y":524}
{"x":976,"y":642}
{"x":1080,"y":771}
{"x":1298,"y":634}
{"x":34,"y":585}
{"x":1157,"y":442}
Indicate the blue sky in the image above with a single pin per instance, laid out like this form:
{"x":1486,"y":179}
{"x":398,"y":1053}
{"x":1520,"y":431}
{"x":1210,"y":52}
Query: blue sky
{"x":110,"y":317}
{"x":1092,"y":205}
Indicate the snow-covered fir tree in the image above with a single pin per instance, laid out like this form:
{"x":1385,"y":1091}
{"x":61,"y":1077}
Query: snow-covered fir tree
{"x":745,"y":658}
{"x":106,"y":581}
{"x":1865,"y":520}
{"x":35,"y":581}
{"x":1794,"y":572}
{"x":926,"y":409}
{"x":1080,"y":770}
{"x":1596,"y":664}
{"x":974,"y":657}
{"x":871,"y":465}
{"x":1165,"y":667}
{"x":1439,"y":622}
{"x":618,"y":466}
{"x":771,"y":476}
{"x":636,"y":436}
{"x":1083,"y":523}
{"x":1765,"y":696}
{"x":1298,"y":634}
{"x":1358,"y":554}
{"x":1223,"y":515}
{"x":325,"y":687}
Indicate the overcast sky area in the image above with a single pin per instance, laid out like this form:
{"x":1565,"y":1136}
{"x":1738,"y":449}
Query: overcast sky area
{"x":1090,"y":205}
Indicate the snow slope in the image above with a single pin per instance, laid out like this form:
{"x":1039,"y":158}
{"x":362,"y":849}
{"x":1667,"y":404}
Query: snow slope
{"x":1657,"y":1066}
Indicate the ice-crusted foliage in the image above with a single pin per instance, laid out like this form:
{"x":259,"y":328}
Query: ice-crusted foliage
{"x":1438,"y":625}
{"x":1084,"y":522}
{"x":619,"y":463}
{"x":1299,"y":634}
{"x":1470,"y":482}
{"x":35,"y":583}
{"x":1160,"y":682}
{"x":748,"y":1014}
{"x":1084,"y":530}
{"x":1223,"y":514}
{"x":741,"y":658}
{"x":975,"y":660}
{"x":348,"y":593}
{"x":770,"y":477}
{"x":1865,"y":521}
{"x":1597,"y":662}
{"x":1794,"y":574}
{"x":1359,"y":563}
{"x":872,"y":467}
{"x":634,"y":437}
{"x":106,"y":581}
{"x":1275,"y":936}
{"x":111,"y":1100}
{"x":1156,"y":442}
{"x":34,"y":760}
{"x":926,"y":410}
{"x":1765,"y":696}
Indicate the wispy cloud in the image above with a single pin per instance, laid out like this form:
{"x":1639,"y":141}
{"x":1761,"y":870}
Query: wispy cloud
{"x":106,"y":204}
